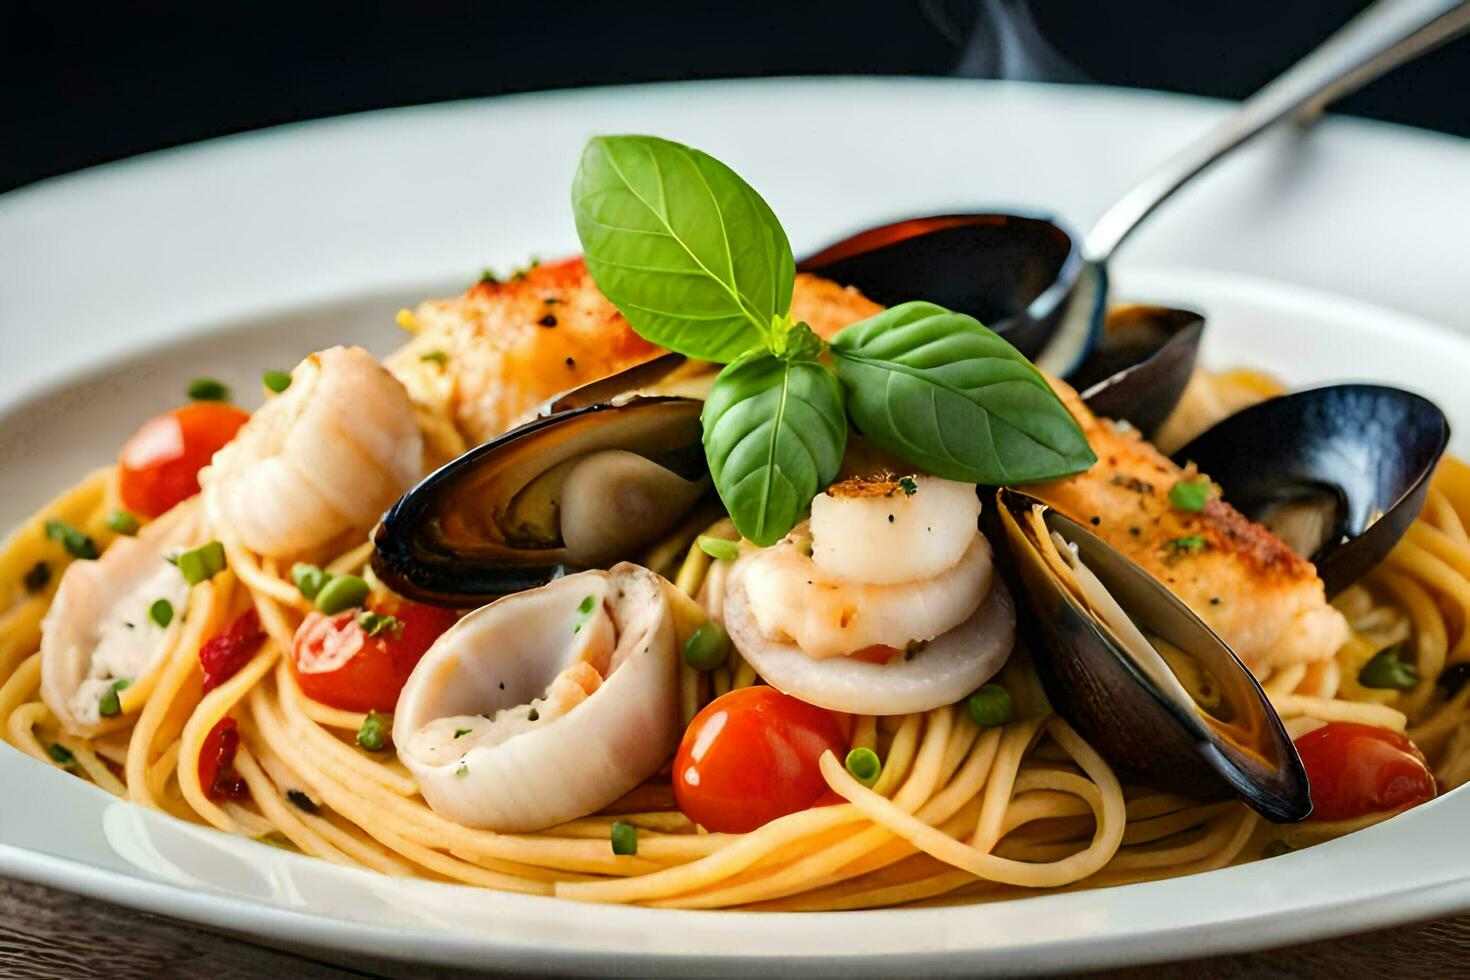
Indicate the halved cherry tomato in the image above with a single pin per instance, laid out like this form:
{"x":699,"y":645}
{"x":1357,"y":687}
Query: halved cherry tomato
{"x":751,"y":756}
{"x":1356,"y":769}
{"x":159,"y":466}
{"x":222,"y":656}
{"x":338,"y":664}
{"x":217,"y":762}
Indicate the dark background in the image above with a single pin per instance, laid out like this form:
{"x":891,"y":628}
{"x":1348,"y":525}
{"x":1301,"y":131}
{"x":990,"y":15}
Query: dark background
{"x":83,"y":83}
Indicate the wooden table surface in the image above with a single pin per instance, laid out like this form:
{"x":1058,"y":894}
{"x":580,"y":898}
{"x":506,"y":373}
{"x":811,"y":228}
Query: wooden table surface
{"x":46,"y":933}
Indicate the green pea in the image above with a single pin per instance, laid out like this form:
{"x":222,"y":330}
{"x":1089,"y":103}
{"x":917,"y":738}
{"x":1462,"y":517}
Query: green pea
{"x":991,"y":706}
{"x":110,"y":704}
{"x":624,"y":838}
{"x":373,"y":735}
{"x":162,"y":613}
{"x":276,"y":381}
{"x":308,"y":578}
{"x":340,"y":593}
{"x":864,"y":765}
{"x":707,"y":647}
{"x":203,"y":563}
{"x":121,"y":522}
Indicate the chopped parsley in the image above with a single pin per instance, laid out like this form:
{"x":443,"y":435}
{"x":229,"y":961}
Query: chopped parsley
{"x":276,"y":381}
{"x":121,"y":522}
{"x":162,"y":613}
{"x":463,"y":770}
{"x":61,"y":755}
{"x":110,"y":704}
{"x":374,"y":625}
{"x":584,"y":613}
{"x":77,"y":544}
{"x":373,"y":735}
{"x":201,"y":564}
{"x":462,"y":731}
{"x":436,"y":356}
{"x":1188,"y":544}
{"x":908,"y":486}
{"x":208,"y":390}
{"x":1191,"y":495}
{"x":301,"y":801}
{"x":1387,"y":670}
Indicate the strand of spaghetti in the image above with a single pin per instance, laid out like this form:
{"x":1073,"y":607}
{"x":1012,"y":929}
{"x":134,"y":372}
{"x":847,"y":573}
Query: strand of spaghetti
{"x":352,"y":560}
{"x":370,"y":806}
{"x":1431,"y":638}
{"x":19,"y":688}
{"x":1217,"y":848}
{"x":719,"y":681}
{"x":834,"y":863}
{"x":1016,"y":739}
{"x":1043,"y":804}
{"x":176,"y":674}
{"x":961,"y":739}
{"x":663,"y":822}
{"x":112,"y":748}
{"x":265,"y":796}
{"x":159,"y":772}
{"x":329,"y":717}
{"x":247,"y":566}
{"x":20,"y":632}
{"x":352,"y":841}
{"x":1438,"y":726}
{"x":1158,"y":828}
{"x":1441,"y":513}
{"x":1409,"y":557}
{"x":745,"y":675}
{"x":1327,"y":709}
{"x":95,"y":768}
{"x":252,"y":824}
{"x":900,"y":755}
{"x":864,"y":733}
{"x":1104,"y":844}
{"x":210,"y":711}
{"x":314,"y":739}
{"x":1454,"y":768}
{"x":1157,"y":804}
{"x":22,"y":730}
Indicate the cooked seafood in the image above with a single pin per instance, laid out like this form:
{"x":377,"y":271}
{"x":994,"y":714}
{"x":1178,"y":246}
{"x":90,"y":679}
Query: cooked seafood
{"x":321,"y":460}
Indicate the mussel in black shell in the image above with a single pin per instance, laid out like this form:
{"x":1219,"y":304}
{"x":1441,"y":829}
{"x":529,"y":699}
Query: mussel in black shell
{"x":1139,"y":675}
{"x":1339,"y":472}
{"x":578,"y":488}
{"x":1141,"y":365}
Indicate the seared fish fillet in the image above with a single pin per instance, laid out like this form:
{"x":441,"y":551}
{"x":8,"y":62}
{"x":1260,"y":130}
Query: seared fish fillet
{"x":1241,"y":579}
{"x":489,"y":358}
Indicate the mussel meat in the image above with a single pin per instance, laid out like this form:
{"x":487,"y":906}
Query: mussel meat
{"x":1338,"y":472}
{"x":1020,"y":276}
{"x":1140,"y":366}
{"x":1140,"y":676}
{"x":576,"y":489}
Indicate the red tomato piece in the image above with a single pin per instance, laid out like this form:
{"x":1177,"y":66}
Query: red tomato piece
{"x":159,"y":466}
{"x":222,"y":656}
{"x":338,"y":664}
{"x":1355,"y":770}
{"x":751,"y":756}
{"x":217,"y":762}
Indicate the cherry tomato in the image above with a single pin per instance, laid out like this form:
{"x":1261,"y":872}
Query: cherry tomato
{"x":751,"y":756}
{"x":160,"y":464}
{"x":1356,"y":769}
{"x":222,"y":656}
{"x":337,"y":663}
{"x":217,"y":762}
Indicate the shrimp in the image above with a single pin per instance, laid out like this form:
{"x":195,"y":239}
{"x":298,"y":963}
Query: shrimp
{"x":886,"y":602}
{"x":321,"y":460}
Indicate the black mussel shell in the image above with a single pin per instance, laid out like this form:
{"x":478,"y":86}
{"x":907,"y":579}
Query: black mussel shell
{"x":488,"y":523}
{"x":604,"y":390}
{"x":1017,"y":275}
{"x":1338,"y":472}
{"x":1140,"y":366}
{"x":1146,"y":724}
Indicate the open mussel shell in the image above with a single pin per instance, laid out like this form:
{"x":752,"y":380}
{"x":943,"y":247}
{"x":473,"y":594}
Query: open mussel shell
{"x":1139,"y":675}
{"x":1339,"y":473}
{"x":577,"y":489}
{"x":1022,"y":277}
{"x":1139,"y":368}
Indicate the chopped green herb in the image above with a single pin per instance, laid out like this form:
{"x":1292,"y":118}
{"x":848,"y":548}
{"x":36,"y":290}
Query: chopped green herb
{"x":908,"y":486}
{"x":990,"y":706}
{"x":521,"y":271}
{"x":77,"y":544}
{"x":121,"y":522}
{"x":38,"y":577}
{"x":1186,"y":545}
{"x":276,"y":381}
{"x":203,"y":563}
{"x":463,"y":770}
{"x":584,"y":613}
{"x":707,"y":647}
{"x":110,"y":704}
{"x":275,"y":838}
{"x":718,"y":548}
{"x":308,"y":578}
{"x":208,"y":390}
{"x":488,"y":276}
{"x":1387,"y":670}
{"x":301,"y":801}
{"x":533,"y":715}
{"x":864,"y":765}
{"x":462,"y":731}
{"x":624,"y":839}
{"x":61,"y":754}
{"x":436,"y":356}
{"x":1190,"y":494}
{"x":340,"y":593}
{"x":162,"y":613}
{"x":373,"y":735}
{"x":374,"y":625}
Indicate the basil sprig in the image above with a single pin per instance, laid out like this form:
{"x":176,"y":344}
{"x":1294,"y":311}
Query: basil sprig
{"x":697,"y":262}
{"x":941,"y":391}
{"x":686,"y":250}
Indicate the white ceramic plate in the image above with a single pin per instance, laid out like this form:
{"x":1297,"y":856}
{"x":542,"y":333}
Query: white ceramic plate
{"x":118,"y":285}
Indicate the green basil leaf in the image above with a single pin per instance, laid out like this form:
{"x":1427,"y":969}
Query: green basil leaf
{"x":684,"y":248}
{"x":943,"y":392}
{"x":774,"y":434}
